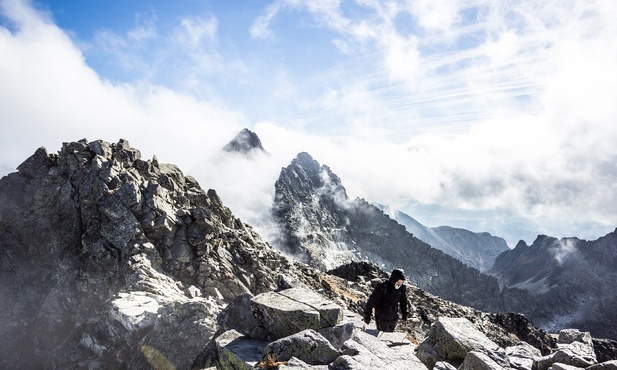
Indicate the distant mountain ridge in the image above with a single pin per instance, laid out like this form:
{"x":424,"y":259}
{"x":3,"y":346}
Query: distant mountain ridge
{"x":578,"y":276}
{"x":477,"y":250}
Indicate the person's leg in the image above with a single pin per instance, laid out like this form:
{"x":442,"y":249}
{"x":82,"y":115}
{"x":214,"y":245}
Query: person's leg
{"x":383,"y":325}
{"x":389,"y":326}
{"x":378,"y":322}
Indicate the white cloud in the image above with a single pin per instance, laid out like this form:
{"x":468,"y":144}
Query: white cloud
{"x":505,"y":110}
{"x":197,"y":30}
{"x":49,"y":95}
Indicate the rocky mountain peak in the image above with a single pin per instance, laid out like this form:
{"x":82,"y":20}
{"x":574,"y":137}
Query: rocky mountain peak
{"x":246,"y":142}
{"x":105,"y":255}
{"x":324,"y":228}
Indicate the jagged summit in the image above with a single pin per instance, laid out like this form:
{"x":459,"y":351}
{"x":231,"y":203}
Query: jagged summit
{"x":576,"y":275}
{"x":324,"y":228}
{"x":246,"y":142}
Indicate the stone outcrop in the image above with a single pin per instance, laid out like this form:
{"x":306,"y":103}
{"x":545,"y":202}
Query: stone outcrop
{"x":452,"y":339}
{"x":574,"y":348}
{"x":322,"y":333}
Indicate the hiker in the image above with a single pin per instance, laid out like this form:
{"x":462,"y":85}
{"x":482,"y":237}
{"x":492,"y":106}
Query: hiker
{"x":385,"y":298}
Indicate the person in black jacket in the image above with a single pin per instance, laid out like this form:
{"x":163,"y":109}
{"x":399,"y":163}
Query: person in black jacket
{"x":385,"y":298}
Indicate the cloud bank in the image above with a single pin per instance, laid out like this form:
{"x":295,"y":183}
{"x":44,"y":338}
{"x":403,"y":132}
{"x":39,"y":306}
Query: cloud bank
{"x":491,"y":116}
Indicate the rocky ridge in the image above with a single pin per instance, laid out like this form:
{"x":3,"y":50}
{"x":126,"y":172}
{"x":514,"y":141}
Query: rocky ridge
{"x":295,"y":328}
{"x":475,"y":249}
{"x":324,"y":228}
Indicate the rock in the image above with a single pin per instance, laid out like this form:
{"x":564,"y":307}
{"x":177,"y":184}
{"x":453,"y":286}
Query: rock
{"x":605,"y":349}
{"x":338,"y":334}
{"x":567,"y":336}
{"x":608,"y":365}
{"x":558,"y":366}
{"x":237,"y":351}
{"x":307,"y":345}
{"x":479,"y":361}
{"x":289,"y":311}
{"x":573,"y":348}
{"x":451,"y":339}
{"x":365,"y":351}
{"x":521,"y":356}
{"x":297,"y":364}
{"x":442,"y":365}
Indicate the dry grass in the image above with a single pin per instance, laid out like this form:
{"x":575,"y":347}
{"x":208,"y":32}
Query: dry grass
{"x":339,"y":289}
{"x":270,"y":363}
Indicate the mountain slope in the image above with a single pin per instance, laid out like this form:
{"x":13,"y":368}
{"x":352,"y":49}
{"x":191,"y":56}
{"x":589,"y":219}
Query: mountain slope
{"x":477,"y":250}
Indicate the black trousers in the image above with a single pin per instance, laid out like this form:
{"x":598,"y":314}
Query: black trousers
{"x":385,"y":325}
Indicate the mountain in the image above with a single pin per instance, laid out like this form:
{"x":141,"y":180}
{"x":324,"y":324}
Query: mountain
{"x":322,"y":227}
{"x":245,"y":142}
{"x":575,"y":275}
{"x":477,"y":250}
{"x":110,"y":261}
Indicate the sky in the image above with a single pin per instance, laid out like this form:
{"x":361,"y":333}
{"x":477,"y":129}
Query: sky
{"x":489,"y":115}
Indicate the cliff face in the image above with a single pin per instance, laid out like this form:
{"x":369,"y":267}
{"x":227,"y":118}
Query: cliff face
{"x":106,"y":258}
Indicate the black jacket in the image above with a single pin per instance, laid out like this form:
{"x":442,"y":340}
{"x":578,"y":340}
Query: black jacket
{"x":385,"y":299}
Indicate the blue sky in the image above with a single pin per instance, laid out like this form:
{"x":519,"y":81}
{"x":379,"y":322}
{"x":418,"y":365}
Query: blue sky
{"x":494,"y":116}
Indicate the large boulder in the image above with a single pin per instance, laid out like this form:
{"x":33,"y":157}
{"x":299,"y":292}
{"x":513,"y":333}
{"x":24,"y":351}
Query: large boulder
{"x":451,"y":339}
{"x":608,"y":365}
{"x":521,"y":355}
{"x":307,"y":345}
{"x":237,"y":351}
{"x":573,"y":348}
{"x":292,"y":310}
{"x":384,"y":351}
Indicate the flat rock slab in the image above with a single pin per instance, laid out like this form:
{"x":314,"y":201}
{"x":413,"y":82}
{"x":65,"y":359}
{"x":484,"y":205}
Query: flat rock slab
{"x":290,"y":311}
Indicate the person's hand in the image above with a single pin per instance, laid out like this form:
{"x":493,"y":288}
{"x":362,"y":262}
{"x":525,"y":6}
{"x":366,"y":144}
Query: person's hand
{"x":367,"y":319}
